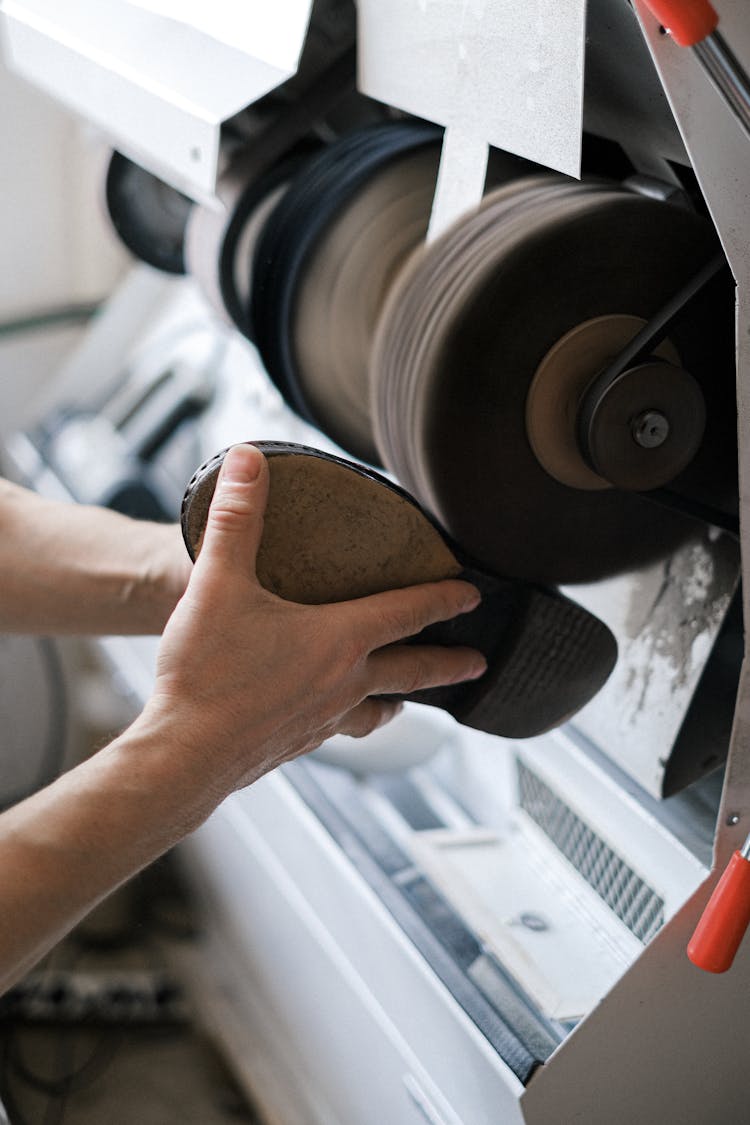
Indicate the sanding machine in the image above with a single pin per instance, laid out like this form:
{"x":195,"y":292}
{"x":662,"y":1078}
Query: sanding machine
{"x":496,"y":253}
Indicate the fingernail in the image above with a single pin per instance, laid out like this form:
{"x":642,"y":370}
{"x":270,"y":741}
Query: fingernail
{"x":478,"y":669}
{"x":241,"y":464}
{"x":472,"y":601}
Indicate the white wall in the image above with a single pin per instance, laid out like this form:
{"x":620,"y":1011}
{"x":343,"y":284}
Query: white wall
{"x":56,"y":247}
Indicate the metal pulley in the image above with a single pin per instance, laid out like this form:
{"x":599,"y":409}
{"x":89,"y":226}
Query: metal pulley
{"x":642,"y":428}
{"x":647,"y":426}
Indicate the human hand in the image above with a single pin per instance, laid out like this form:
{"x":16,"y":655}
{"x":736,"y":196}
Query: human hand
{"x":246,"y":680}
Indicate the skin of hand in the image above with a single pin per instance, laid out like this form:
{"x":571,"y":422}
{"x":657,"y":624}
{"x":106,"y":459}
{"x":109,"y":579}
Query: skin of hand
{"x":77,"y":569}
{"x":262,"y":679}
{"x":245,"y":681}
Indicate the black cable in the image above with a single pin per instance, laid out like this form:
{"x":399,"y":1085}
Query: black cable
{"x":55,"y":1111}
{"x":6,"y":1093}
{"x":58,"y":1089}
{"x":707,"y":513}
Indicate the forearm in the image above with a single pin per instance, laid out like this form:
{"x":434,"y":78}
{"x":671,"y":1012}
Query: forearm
{"x":65,"y":848}
{"x":282,"y":678}
{"x":68,"y":568}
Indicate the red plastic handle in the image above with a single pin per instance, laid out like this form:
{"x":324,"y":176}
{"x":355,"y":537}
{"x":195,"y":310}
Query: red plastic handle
{"x":687,"y":21}
{"x":722,"y":926}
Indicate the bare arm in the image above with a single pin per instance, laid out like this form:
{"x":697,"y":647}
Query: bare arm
{"x":245,"y":681}
{"x":69,"y":568}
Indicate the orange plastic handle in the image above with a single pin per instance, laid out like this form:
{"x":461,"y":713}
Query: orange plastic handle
{"x":722,"y":926}
{"x":687,"y":21}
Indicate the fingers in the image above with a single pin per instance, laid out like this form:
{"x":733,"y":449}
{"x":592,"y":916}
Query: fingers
{"x":398,"y":614}
{"x":403,"y":669}
{"x":367,"y":716}
{"x":235,"y":519}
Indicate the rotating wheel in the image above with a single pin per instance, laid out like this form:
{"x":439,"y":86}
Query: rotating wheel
{"x":308,"y":278}
{"x":326,"y":260}
{"x":220,"y":243}
{"x":473,"y":319}
{"x":149,"y":216}
{"x":346,"y":279}
{"x":343,"y":288}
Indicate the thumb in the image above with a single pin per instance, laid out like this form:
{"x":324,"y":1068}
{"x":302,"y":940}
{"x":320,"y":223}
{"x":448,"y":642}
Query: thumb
{"x":235,"y":518}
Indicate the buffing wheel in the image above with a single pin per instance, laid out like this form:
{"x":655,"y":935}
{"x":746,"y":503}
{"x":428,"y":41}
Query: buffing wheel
{"x":343,"y":288}
{"x":348,"y":272}
{"x":334,"y":531}
{"x":149,"y":215}
{"x":467,"y":325}
{"x":290,"y":243}
{"x":220,"y":242}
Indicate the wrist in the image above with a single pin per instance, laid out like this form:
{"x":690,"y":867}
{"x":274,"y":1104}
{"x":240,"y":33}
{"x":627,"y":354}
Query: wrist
{"x":161,"y":571}
{"x":168,"y":761}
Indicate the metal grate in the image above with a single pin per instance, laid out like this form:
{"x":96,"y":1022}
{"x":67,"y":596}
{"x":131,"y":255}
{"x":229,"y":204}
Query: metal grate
{"x":625,"y":893}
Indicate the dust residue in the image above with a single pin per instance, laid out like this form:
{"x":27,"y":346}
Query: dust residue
{"x":674,"y":614}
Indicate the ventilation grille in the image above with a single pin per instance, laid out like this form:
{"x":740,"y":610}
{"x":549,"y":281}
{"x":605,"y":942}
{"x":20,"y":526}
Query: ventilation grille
{"x":625,"y":893}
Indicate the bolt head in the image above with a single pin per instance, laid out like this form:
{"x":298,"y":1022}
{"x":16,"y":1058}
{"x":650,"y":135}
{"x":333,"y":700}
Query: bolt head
{"x":650,"y":429}
{"x":534,"y":922}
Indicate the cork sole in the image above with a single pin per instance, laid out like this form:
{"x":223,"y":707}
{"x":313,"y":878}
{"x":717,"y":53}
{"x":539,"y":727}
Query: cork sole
{"x":331,"y":531}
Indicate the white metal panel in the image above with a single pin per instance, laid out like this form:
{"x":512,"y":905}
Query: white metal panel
{"x":517,"y":895}
{"x":307,"y":992}
{"x":159,"y":87}
{"x":461,"y":178}
{"x":509,"y":74}
{"x":720,"y":154}
{"x":669,"y":1044}
{"x":665,"y":617}
{"x":268,"y":831}
{"x":275,"y":34}
{"x":619,"y":818}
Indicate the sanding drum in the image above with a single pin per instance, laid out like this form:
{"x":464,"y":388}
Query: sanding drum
{"x":552,"y":379}
{"x":327,"y":260}
{"x":538,"y":378}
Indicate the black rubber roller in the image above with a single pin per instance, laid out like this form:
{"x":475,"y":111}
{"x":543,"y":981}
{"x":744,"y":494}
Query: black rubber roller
{"x":149,"y":215}
{"x":334,"y":531}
